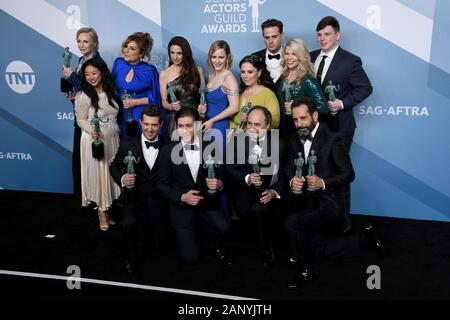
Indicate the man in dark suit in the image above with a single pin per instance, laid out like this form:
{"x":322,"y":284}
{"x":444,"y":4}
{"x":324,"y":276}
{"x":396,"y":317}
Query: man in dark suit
{"x":139,"y":194}
{"x":315,"y":216}
{"x":254,"y":170}
{"x":185,"y":181}
{"x":272,"y":55}
{"x":344,"y":69}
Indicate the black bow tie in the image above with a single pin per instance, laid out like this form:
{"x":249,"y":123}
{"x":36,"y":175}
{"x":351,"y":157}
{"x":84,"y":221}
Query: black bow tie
{"x":154,"y":144}
{"x":191,"y":147}
{"x":304,"y":139}
{"x":274,"y":56}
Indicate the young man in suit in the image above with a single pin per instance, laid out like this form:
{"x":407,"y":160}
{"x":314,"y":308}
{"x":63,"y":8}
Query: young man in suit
{"x":139,"y":194}
{"x":184,"y":181}
{"x":272,"y":55}
{"x":254,"y":170}
{"x":315,"y":216}
{"x":344,"y":69}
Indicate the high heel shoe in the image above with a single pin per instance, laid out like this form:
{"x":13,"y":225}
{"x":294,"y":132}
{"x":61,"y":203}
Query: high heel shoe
{"x":103,"y":220}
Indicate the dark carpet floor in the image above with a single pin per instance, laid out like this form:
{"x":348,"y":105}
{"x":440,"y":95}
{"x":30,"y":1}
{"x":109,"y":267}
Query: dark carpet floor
{"x":417,"y":265}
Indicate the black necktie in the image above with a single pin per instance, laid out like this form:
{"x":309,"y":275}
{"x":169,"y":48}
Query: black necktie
{"x":274,"y":56}
{"x":191,"y":147}
{"x":320,"y":70}
{"x":154,"y":144}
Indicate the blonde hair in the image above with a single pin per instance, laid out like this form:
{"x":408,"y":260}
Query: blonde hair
{"x":92,"y":33}
{"x":301,"y":51}
{"x":219,"y":44}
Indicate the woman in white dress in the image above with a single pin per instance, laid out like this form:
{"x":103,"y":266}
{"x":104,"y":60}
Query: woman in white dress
{"x":97,"y":96}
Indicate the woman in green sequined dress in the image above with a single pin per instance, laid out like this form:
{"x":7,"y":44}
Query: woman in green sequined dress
{"x":298,"y":80}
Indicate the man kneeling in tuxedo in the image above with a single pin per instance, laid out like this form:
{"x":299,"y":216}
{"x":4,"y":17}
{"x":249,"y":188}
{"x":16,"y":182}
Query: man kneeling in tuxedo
{"x":183,"y":180}
{"x":140,"y":198}
{"x":316,"y":215}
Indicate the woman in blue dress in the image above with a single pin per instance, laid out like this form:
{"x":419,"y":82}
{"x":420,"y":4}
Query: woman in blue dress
{"x":222,"y":97}
{"x":222,"y":101}
{"x":136,"y":80}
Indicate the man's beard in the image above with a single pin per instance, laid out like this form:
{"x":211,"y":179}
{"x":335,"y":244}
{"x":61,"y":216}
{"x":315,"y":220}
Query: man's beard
{"x":306,"y":131}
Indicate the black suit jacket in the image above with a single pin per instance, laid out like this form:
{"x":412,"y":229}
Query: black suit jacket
{"x":175,"y":179}
{"x":274,"y":86}
{"x":354,"y":86}
{"x":146,"y":179}
{"x":245,"y":195}
{"x":333,"y":166}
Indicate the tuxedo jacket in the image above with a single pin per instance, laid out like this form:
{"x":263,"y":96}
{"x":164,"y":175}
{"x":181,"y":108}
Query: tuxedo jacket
{"x":174,"y":179}
{"x":333,"y":166}
{"x":274,"y":86}
{"x":146,"y":179}
{"x":354,"y":86}
{"x":245,"y":195}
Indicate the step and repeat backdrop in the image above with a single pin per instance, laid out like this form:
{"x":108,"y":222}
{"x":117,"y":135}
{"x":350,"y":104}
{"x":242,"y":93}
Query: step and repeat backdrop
{"x":401,"y":149}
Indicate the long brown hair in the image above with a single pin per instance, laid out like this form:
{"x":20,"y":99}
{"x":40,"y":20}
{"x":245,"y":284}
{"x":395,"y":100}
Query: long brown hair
{"x":189,"y":73}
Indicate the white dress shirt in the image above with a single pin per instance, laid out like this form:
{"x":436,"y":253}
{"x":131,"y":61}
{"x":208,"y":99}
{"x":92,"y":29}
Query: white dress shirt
{"x":326,"y":66}
{"x":306,"y":149}
{"x":307,"y":145}
{"x":193,"y":158}
{"x":150,"y":154}
{"x":274,"y":66}
{"x":257,"y":149}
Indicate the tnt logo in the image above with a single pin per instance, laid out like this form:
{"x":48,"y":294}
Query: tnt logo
{"x":20,"y":77}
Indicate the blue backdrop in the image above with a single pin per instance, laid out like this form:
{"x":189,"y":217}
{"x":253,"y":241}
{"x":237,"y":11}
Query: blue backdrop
{"x":400,"y":150}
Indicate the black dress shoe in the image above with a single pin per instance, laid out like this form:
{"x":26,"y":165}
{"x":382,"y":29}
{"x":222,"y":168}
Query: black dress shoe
{"x":307,"y":276}
{"x":371,"y":242}
{"x":268,"y":258}
{"x":223,"y":258}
